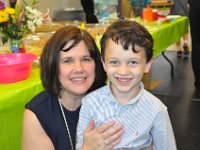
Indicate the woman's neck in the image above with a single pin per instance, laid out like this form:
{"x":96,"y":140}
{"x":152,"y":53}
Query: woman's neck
{"x":71,"y":102}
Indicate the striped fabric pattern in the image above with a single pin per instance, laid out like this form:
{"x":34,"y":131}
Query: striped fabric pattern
{"x":145,"y":119}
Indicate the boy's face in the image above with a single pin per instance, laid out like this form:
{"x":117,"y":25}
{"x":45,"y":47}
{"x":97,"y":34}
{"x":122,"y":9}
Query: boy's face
{"x":125,"y":68}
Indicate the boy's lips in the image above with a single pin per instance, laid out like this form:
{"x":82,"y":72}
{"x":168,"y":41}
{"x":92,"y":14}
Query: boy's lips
{"x":123,"y":80}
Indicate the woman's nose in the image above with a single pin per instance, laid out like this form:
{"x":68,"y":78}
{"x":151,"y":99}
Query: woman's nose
{"x":78,"y":66}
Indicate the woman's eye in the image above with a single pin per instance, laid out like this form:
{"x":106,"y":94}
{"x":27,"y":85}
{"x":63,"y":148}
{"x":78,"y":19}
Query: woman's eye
{"x":67,"y":61}
{"x":87,"y":59}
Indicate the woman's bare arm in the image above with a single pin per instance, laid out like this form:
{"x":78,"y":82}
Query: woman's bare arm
{"x":34,"y":137}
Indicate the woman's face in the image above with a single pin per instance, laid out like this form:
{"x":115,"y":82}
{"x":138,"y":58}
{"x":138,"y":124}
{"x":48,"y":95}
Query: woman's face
{"x":76,"y":70}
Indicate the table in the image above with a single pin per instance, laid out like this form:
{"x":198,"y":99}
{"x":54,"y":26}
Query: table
{"x":167,"y":34}
{"x":14,"y":96}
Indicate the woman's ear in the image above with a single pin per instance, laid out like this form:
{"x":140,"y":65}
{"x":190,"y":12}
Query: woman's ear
{"x":148,"y":66}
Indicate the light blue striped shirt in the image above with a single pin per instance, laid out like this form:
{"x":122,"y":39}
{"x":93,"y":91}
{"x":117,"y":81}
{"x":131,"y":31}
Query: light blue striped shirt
{"x":145,"y":119}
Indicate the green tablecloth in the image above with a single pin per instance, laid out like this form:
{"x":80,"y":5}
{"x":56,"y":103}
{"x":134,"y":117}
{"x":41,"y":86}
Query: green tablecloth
{"x":14,"y":96}
{"x":166,"y":34}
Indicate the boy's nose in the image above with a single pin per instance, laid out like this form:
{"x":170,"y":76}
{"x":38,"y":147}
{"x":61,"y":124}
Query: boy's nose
{"x":123,"y":70}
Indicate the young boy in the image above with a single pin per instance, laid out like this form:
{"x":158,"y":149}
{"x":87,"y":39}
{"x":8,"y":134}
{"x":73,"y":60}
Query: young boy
{"x":127,"y":50}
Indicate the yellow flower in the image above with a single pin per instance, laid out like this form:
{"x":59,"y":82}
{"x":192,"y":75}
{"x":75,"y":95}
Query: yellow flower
{"x":4,"y":17}
{"x":13,"y":17}
{"x":10,"y":11}
{"x":15,"y":23}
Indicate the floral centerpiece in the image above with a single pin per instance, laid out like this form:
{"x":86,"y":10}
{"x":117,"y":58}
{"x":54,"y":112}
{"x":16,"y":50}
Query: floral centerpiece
{"x":16,"y":22}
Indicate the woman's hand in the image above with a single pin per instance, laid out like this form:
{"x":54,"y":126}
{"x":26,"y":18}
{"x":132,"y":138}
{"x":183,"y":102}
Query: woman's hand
{"x":104,"y":137}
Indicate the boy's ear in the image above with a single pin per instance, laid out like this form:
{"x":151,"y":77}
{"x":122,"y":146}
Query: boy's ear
{"x":148,"y":66}
{"x":104,"y":66}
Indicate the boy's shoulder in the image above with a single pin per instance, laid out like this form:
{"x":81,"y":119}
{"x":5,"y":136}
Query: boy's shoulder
{"x":97,"y":94}
{"x":103,"y":90}
{"x":153,"y":101}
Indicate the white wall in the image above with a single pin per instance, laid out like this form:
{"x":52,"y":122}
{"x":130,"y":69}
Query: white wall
{"x":74,"y":3}
{"x":57,"y":4}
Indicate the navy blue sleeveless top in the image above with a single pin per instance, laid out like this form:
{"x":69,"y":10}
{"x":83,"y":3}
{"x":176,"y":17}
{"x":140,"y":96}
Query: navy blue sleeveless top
{"x":47,"y":110}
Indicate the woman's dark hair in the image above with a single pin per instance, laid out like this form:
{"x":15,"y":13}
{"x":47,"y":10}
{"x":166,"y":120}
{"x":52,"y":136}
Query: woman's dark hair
{"x":50,"y":58}
{"x":128,"y":33}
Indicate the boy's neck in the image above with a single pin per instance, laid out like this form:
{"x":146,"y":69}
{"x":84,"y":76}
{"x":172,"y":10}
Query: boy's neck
{"x":124,"y":97}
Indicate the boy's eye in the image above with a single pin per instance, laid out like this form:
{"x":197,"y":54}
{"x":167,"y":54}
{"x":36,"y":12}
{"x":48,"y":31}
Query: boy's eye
{"x":133,"y":62}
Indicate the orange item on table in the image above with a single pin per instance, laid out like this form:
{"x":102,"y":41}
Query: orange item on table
{"x":148,"y":14}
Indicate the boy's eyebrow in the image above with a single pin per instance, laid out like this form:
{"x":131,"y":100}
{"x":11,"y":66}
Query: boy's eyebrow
{"x":132,"y":58}
{"x":112,"y":57}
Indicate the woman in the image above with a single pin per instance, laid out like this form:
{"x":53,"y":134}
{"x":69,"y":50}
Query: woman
{"x":70,"y":68}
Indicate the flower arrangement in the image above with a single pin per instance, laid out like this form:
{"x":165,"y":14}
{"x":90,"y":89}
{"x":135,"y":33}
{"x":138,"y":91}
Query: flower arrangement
{"x":17,"y":22}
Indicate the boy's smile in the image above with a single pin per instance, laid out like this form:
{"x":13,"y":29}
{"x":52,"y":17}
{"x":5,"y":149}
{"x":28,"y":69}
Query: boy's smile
{"x":125,"y":69}
{"x":123,"y":80}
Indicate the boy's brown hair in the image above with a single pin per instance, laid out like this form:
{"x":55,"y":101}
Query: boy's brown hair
{"x":128,"y":33}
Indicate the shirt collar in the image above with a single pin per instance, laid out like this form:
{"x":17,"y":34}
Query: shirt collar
{"x":112,"y":98}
